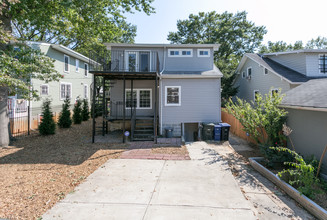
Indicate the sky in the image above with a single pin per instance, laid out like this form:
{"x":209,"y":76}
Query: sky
{"x":286,"y":20}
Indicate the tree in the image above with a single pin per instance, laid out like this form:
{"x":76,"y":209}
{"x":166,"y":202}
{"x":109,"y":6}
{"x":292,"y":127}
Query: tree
{"x":85,"y":110}
{"x":47,"y":126}
{"x":65,"y":120}
{"x":318,"y":43}
{"x":77,"y":112}
{"x":235,"y":34}
{"x":280,"y":46}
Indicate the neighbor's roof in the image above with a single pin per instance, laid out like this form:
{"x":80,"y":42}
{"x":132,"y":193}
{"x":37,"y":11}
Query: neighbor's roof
{"x":311,"y":94}
{"x":214,"y":73}
{"x":214,"y":46}
{"x":296,"y":51}
{"x":290,"y":75}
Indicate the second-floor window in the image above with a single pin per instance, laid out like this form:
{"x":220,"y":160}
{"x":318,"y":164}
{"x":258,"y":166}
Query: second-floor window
{"x":66,"y":67}
{"x":86,"y":69}
{"x":249,"y":72}
{"x":180,"y":53}
{"x":323,"y":63}
{"x":76,"y":65}
{"x":65,"y":90}
{"x":203,"y":52}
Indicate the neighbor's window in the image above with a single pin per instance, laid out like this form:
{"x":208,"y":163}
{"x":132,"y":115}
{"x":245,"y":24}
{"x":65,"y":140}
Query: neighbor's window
{"x":141,"y":98}
{"x":66,"y":68}
{"x":266,"y":71}
{"x":173,"y":96}
{"x":76,"y":65}
{"x":323,"y":63}
{"x":85,"y":91}
{"x":203,"y":52}
{"x":243,"y":74}
{"x":86,"y":69}
{"x":44,"y":90}
{"x":274,"y":92}
{"x":255,"y":93}
{"x":65,"y":90}
{"x":249,"y":72}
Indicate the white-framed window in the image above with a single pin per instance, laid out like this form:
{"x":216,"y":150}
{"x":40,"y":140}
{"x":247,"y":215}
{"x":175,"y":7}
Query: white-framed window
{"x":180,"y":52}
{"x":249,"y":72}
{"x":44,"y":90}
{"x":66,"y":63}
{"x":77,"y":65}
{"x":65,"y":90}
{"x":323,"y":63}
{"x":265,"y":71}
{"x":86,"y":69}
{"x":142,"y":98}
{"x":172,"y":96}
{"x":274,"y":91}
{"x":86,"y":95}
{"x":203,"y":52}
{"x":255,"y":93}
{"x":243,"y":74}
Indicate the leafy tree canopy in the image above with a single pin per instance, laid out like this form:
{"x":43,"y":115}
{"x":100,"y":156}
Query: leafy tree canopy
{"x":235,"y":34}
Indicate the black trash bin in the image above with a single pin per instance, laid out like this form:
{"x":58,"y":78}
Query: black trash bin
{"x":207,"y":131}
{"x":169,"y":132}
{"x":217,"y":132}
{"x":225,"y":131}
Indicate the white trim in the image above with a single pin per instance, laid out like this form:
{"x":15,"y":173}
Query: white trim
{"x":138,"y":97}
{"x":41,"y":89}
{"x":180,"y":51}
{"x":214,"y":46}
{"x":87,"y":70}
{"x":179,"y":95}
{"x":254,"y":91}
{"x":66,"y":71}
{"x":87,"y":91}
{"x":304,"y":108}
{"x":71,"y":90}
{"x":76,"y":65}
{"x":207,"y":50}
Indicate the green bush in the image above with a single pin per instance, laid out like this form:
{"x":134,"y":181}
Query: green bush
{"x":65,"y":120}
{"x":85,"y":110}
{"x":275,"y":158}
{"x":77,"y":112}
{"x":47,"y":125}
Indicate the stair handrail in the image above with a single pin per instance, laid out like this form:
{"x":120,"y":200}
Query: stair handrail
{"x":133,"y":121}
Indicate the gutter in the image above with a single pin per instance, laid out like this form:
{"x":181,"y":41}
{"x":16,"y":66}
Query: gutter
{"x":304,"y":108}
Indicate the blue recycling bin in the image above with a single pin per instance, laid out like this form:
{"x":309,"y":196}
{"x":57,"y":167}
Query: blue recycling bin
{"x":217,"y":132}
{"x":225,"y":131}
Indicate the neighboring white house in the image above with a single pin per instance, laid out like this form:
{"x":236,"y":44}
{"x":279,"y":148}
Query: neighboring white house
{"x":76,"y":81}
{"x":307,"y":117}
{"x":278,"y":71}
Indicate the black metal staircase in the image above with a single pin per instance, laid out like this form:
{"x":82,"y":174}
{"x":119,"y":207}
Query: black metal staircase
{"x":143,"y":129}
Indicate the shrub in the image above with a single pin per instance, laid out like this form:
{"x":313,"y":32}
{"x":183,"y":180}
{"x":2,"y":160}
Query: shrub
{"x":85,"y":110}
{"x":47,"y":125}
{"x":65,"y":120}
{"x":77,"y":116}
{"x":275,"y":158}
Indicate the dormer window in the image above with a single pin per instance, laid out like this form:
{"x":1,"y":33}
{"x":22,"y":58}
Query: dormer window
{"x":203,"y":52}
{"x":323,"y":63}
{"x":180,"y":52}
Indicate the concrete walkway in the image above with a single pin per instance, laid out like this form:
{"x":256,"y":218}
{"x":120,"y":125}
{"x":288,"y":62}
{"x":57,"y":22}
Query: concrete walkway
{"x":200,"y":188}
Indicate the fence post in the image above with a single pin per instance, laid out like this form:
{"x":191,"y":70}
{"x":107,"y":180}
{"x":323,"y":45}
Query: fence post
{"x":28,"y":119}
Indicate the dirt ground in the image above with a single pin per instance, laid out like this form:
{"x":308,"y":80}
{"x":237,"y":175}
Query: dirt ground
{"x":170,"y":150}
{"x":37,"y":171}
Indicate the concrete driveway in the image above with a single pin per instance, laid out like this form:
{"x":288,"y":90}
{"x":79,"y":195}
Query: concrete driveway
{"x":200,"y":188}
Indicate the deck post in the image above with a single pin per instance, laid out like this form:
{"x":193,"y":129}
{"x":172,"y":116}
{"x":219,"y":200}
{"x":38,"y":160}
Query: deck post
{"x":93,"y":107}
{"x":124,"y":108}
{"x":103,"y":104}
{"x":155,"y":110}
{"x":132,"y":105}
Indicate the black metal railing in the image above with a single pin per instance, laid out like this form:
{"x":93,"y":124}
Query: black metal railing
{"x":124,"y":61}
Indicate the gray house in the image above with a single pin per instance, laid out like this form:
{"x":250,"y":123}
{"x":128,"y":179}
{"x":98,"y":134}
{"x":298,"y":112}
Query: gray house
{"x":150,"y":88}
{"x":307,"y":108}
{"x":76,"y":81}
{"x":280,"y":71}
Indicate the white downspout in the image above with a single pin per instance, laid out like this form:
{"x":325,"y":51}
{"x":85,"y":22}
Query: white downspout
{"x":160,"y":78}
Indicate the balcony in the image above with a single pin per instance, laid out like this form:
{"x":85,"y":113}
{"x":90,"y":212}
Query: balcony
{"x":125,"y":61}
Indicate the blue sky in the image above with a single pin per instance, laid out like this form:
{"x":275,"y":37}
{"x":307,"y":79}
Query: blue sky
{"x":286,"y":20}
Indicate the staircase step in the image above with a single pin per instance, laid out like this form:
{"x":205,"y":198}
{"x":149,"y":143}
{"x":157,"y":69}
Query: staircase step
{"x":137,"y":127}
{"x":143,"y":130}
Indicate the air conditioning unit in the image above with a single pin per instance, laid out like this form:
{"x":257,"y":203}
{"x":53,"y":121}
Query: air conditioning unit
{"x":248,"y":77}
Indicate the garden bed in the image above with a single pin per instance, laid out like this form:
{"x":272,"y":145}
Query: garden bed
{"x":307,"y":203}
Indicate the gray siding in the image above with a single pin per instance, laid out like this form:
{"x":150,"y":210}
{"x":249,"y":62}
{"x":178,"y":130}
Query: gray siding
{"x":77,"y":79}
{"x":116,"y":94}
{"x":309,"y":132}
{"x":193,"y":63}
{"x":296,"y":62}
{"x":200,"y":102}
{"x":313,"y":65}
{"x":259,"y":81}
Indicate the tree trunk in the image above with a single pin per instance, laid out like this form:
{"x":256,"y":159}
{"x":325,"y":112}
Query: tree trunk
{"x":4,"y":119}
